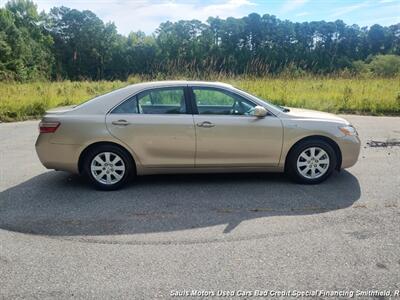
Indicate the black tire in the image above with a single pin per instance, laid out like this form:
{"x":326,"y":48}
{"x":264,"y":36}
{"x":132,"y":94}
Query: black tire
{"x":294,"y":154}
{"x":127,"y":161}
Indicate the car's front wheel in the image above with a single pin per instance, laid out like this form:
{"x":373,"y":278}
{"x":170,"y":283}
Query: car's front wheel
{"x":108,"y":167}
{"x":311,"y":161}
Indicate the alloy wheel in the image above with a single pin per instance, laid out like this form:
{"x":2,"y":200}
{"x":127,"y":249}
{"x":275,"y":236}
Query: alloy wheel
{"x":107,"y":168}
{"x":313,"y":162}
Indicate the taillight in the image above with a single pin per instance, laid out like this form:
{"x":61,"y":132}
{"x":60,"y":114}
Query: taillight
{"x":48,"y":127}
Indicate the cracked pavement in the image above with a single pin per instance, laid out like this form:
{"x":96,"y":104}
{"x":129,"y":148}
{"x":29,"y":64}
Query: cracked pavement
{"x":59,"y":238}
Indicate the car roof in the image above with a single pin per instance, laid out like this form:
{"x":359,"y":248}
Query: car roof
{"x":103,"y":103}
{"x":154,"y":84}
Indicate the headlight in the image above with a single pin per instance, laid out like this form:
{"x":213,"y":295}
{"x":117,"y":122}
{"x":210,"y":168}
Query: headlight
{"x":348,"y":130}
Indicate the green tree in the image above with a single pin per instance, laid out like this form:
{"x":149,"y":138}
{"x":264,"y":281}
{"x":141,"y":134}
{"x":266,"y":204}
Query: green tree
{"x":72,"y":44}
{"x":25,"y":47}
{"x":83,"y":44}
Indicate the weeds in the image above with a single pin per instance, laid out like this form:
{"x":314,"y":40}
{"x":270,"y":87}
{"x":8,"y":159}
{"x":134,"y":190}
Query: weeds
{"x":21,"y":101}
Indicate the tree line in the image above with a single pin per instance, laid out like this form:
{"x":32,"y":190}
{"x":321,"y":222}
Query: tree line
{"x":70,"y":44}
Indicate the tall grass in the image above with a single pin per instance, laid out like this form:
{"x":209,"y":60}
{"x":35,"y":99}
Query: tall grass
{"x":21,"y":101}
{"x":336,"y":95}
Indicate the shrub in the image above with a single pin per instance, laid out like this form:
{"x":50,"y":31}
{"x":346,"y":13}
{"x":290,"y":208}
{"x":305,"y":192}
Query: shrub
{"x":385,"y":65}
{"x":359,"y":67}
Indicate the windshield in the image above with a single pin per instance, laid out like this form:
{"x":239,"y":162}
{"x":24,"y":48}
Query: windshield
{"x":278,"y":107}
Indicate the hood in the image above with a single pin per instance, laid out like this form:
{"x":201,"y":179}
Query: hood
{"x":300,"y":113}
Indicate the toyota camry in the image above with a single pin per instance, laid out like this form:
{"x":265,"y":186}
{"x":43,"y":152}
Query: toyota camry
{"x":192,"y":127}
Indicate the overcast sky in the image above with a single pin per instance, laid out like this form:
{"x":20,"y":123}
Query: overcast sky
{"x":146,"y":15}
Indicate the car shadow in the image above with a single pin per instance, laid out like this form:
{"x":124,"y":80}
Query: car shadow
{"x":59,"y":204}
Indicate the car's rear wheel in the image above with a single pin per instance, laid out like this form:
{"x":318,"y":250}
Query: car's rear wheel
{"x":311,"y":161}
{"x":108,"y":167}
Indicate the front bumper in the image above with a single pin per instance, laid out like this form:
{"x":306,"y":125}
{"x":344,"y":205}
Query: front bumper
{"x":350,"y":148}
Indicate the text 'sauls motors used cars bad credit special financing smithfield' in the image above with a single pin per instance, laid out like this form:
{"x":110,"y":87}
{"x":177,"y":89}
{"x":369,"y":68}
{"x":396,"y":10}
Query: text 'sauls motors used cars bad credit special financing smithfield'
{"x":192,"y":127}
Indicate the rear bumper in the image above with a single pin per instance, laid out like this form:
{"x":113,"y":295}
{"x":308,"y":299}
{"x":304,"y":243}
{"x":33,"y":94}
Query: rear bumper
{"x":57,"y":156}
{"x":350,"y":148}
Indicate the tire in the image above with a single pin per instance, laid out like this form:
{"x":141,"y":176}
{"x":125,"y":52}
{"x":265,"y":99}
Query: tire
{"x":108,"y":167}
{"x":311,"y":161}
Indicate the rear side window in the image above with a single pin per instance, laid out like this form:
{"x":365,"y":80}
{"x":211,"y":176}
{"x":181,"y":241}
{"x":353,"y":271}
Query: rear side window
{"x":127,"y":107}
{"x":157,"y":101}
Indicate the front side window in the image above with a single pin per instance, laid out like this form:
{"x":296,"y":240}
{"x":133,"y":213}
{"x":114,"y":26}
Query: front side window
{"x":211,"y":101}
{"x":157,"y":101}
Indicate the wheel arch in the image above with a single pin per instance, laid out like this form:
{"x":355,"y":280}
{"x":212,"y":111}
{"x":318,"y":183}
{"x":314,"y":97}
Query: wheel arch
{"x":96,"y":144}
{"x":326,"y":139}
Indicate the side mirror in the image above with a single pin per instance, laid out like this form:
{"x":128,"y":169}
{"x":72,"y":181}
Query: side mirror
{"x":259,"y":111}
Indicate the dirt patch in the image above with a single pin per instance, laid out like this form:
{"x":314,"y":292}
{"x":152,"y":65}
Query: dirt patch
{"x":384,"y":144}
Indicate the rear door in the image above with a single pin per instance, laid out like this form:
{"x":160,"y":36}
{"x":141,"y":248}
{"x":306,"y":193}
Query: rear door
{"x":228,"y":135}
{"x":158,"y":126}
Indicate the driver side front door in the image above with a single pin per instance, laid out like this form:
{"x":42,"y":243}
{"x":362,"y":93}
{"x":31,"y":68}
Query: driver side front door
{"x":228,"y":135}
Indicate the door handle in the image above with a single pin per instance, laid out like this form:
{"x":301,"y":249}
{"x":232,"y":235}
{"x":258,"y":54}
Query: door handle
{"x":205,"y":124}
{"x":120,"y":122}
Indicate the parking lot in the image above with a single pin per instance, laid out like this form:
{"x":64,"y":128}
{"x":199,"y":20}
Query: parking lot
{"x":59,"y":238}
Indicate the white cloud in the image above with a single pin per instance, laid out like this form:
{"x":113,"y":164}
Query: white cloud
{"x":383,"y":15}
{"x":291,"y":5}
{"x":302,"y":14}
{"x":231,"y":5}
{"x":344,"y":10}
{"x":146,"y":15}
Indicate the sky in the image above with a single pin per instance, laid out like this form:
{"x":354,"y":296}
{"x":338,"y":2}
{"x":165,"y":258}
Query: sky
{"x":146,"y":15}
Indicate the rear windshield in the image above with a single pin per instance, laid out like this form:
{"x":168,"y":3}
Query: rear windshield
{"x":94,"y":99}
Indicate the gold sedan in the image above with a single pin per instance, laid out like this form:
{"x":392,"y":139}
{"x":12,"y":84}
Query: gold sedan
{"x":192,"y":127}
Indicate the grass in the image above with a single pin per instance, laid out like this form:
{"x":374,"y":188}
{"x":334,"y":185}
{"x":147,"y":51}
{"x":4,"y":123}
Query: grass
{"x":336,"y":95}
{"x":22,"y":101}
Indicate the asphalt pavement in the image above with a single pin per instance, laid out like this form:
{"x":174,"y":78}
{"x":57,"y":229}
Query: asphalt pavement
{"x":167,"y":235}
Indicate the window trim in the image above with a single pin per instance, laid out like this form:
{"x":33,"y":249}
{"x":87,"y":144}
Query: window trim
{"x":225,"y":91}
{"x":185,"y":88}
